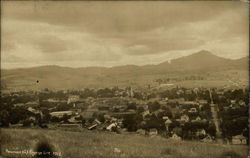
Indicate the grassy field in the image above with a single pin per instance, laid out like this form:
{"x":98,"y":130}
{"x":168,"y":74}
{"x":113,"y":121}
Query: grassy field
{"x":94,"y":144}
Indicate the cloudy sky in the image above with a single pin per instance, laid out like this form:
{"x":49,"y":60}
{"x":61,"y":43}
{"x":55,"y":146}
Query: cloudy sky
{"x":80,"y":34}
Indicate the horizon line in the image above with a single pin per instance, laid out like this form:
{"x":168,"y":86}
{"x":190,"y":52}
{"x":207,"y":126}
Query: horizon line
{"x":107,"y":67}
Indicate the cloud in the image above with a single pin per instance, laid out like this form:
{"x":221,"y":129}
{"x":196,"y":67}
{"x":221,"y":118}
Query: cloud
{"x":115,"y":17}
{"x":50,"y":44}
{"x":112,"y":33}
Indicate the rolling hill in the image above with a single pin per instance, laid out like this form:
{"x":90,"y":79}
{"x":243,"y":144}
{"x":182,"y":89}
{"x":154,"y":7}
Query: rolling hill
{"x":79,"y":143}
{"x":203,"y":63}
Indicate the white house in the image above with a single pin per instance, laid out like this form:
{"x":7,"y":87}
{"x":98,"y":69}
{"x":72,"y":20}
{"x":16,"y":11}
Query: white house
{"x":175,"y":137}
{"x":73,"y":98}
{"x":239,"y":139}
{"x":153,"y":131}
{"x":184,"y":118}
{"x":61,"y":113}
{"x":193,"y":110}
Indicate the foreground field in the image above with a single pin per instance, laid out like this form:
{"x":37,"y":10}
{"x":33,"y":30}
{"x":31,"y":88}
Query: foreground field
{"x":93,"y":144}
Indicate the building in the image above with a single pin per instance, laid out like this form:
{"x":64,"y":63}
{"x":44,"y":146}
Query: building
{"x":74,"y":119}
{"x":239,"y":140}
{"x":233,"y":101}
{"x":141,"y":132}
{"x":175,"y":137}
{"x":153,"y":131}
{"x":19,"y":104}
{"x":184,"y":118}
{"x":145,"y":113}
{"x":111,"y":126}
{"x":207,"y":139}
{"x":201,"y":132}
{"x":242,"y":103}
{"x":197,"y":119}
{"x":73,"y":98}
{"x":54,"y":100}
{"x":201,"y":101}
{"x":192,"y":110}
{"x":60,"y":114}
{"x":33,"y":110}
{"x":186,"y":103}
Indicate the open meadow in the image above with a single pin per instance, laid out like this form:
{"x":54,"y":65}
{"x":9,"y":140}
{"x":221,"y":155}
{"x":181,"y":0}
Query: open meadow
{"x":94,"y":144}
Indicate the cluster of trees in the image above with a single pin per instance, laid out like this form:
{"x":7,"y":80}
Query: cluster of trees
{"x":235,"y":122}
{"x":175,"y":79}
{"x":14,"y":115}
{"x":52,"y":94}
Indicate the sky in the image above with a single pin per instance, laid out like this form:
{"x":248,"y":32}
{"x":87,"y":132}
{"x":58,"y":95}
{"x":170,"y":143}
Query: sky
{"x":82,"y":34}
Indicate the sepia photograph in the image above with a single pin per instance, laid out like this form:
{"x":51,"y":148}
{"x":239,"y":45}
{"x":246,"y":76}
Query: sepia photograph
{"x":124,"y":79}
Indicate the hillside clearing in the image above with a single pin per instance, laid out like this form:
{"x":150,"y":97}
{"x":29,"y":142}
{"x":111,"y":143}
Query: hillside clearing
{"x":94,"y":144}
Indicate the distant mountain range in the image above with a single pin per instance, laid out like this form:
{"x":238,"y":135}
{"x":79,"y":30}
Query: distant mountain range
{"x":201,"y":63}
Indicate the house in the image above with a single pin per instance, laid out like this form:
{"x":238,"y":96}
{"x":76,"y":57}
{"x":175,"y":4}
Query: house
{"x":54,"y":100}
{"x":220,"y":92}
{"x":192,"y":110}
{"x":242,"y":103}
{"x":165,"y":118}
{"x":175,"y":137}
{"x":197,"y":119}
{"x":60,"y":114}
{"x":184,"y":118}
{"x":77,"y":111}
{"x":145,"y":113}
{"x":141,"y":131}
{"x":111,"y":126}
{"x":201,"y":132}
{"x":233,"y":101}
{"x":239,"y":139}
{"x":186,"y":103}
{"x":19,"y":104}
{"x":202,"y":101}
{"x":153,"y":131}
{"x":97,"y":121}
{"x":74,"y":120}
{"x":201,"y":106}
{"x":207,"y":139}
{"x":33,"y":110}
{"x":73,"y":98}
{"x":32,"y":118}
{"x":167,"y":121}
{"x":92,"y":126}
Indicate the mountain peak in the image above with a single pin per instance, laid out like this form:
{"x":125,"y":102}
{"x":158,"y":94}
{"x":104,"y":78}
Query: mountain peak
{"x":203,"y":53}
